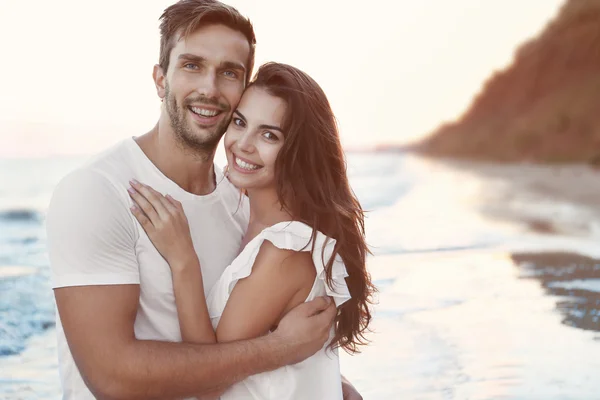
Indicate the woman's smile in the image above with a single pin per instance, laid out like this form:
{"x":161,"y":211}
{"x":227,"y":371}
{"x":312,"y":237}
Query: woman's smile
{"x":245,"y":166}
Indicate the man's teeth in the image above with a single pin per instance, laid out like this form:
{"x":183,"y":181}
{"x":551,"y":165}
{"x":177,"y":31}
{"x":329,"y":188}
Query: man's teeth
{"x":204,"y":112}
{"x":245,"y":165}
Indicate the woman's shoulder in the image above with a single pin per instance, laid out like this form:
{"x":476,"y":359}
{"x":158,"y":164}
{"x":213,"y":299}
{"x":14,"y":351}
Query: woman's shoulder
{"x":283,"y":248}
{"x":313,"y":252}
{"x":288,"y":263}
{"x":290,"y":235}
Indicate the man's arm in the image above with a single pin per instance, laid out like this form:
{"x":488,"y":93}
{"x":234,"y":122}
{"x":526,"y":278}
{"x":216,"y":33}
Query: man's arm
{"x":98,"y":323}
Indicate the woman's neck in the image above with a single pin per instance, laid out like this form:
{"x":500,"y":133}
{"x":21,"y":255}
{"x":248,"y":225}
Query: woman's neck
{"x":265,"y":209}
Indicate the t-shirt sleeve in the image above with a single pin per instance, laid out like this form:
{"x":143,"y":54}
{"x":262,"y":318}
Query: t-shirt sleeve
{"x":91,"y":233}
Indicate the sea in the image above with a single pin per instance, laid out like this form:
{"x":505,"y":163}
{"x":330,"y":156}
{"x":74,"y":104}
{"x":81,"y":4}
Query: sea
{"x":469,"y":306}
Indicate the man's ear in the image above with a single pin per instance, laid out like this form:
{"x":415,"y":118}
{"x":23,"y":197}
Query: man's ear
{"x":159,"y":81}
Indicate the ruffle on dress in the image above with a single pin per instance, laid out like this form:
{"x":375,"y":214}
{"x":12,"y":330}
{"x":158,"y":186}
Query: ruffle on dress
{"x":291,"y":235}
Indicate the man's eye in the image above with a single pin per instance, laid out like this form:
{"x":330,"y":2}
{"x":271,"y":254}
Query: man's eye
{"x":190,"y":66}
{"x":230,"y":74}
{"x":239,"y":122}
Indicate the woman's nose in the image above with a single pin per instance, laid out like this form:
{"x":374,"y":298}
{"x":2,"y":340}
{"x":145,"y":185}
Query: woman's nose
{"x":245,"y":143}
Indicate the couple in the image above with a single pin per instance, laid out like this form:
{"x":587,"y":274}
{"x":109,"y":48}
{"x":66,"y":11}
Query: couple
{"x":174,"y":279}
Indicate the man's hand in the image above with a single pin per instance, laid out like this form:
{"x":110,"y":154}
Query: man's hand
{"x":349,"y":391}
{"x":305,"y":329}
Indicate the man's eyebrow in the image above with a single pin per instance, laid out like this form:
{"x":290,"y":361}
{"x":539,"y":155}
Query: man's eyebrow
{"x":233,"y":65}
{"x":191,"y":57}
{"x":224,"y":64}
{"x":273,"y":127}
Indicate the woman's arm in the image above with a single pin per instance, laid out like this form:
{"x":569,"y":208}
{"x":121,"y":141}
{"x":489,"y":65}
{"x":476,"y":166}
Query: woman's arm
{"x":280,"y":280}
{"x":190,"y":300}
{"x":165,"y":223}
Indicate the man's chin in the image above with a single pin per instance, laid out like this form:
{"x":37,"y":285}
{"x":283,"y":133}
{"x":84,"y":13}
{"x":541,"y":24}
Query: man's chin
{"x":202,"y":138}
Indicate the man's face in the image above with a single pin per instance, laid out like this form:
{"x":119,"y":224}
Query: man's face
{"x":204,"y":83}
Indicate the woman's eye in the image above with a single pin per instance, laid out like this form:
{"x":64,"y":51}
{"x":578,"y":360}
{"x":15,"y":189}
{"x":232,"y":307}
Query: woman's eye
{"x":270,"y":136}
{"x":238,"y":122}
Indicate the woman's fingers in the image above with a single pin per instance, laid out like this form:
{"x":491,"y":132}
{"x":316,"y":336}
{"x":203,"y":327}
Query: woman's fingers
{"x":175,"y":203}
{"x":149,"y":198}
{"x":141,"y":217}
{"x":144,"y":205}
{"x":169,"y":207}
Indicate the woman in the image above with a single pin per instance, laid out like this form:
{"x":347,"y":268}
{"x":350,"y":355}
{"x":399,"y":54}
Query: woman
{"x":305,"y":237}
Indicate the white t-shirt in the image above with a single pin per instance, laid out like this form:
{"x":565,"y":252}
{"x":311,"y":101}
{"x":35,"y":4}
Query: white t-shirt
{"x":317,"y":377}
{"x":93,"y":239}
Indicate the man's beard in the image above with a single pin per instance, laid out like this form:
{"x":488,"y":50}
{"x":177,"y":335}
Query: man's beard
{"x":205,"y":144}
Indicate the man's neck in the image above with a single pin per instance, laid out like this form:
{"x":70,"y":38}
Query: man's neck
{"x":192,"y":172}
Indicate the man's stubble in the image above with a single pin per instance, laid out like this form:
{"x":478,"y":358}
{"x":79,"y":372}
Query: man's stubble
{"x":203,"y":144}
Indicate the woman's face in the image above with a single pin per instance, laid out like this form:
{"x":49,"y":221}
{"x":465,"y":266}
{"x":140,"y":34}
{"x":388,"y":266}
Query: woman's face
{"x":254,"y":138}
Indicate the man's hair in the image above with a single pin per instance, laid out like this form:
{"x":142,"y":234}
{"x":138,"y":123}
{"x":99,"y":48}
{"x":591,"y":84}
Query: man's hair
{"x":185,"y":16}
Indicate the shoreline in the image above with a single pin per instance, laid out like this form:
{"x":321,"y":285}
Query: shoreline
{"x":545,"y":199}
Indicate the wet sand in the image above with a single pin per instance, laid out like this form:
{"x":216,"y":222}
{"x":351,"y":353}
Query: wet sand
{"x":562,"y":199}
{"x":520,"y":320}
{"x":479,"y":325}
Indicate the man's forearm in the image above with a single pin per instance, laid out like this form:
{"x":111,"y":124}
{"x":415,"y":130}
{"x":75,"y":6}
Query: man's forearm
{"x":164,"y":370}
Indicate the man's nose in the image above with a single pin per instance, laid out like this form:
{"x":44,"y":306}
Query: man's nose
{"x":208,"y":85}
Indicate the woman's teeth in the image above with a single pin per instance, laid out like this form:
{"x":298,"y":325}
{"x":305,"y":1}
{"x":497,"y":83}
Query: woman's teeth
{"x":204,"y":112}
{"x":245,"y":165}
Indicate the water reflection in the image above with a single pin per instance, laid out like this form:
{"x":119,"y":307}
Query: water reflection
{"x":573,"y":277}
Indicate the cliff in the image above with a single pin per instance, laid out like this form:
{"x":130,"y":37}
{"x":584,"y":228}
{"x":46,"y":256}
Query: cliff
{"x":545,"y":107}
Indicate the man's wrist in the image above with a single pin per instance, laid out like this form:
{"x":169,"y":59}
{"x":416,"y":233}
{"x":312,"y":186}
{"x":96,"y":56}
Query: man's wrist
{"x":275,"y":349}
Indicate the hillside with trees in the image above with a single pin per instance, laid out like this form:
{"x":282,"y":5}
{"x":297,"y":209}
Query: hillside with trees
{"x":545,"y":107}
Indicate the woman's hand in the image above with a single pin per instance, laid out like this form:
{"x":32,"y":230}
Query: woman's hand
{"x":165,"y":223}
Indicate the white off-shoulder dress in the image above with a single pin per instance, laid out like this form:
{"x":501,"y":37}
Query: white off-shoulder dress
{"x":317,"y":377}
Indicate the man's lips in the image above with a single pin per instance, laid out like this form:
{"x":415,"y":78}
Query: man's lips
{"x":205,"y":115}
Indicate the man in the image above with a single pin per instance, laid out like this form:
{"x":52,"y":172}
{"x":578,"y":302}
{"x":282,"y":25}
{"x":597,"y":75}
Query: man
{"x":117,"y":326}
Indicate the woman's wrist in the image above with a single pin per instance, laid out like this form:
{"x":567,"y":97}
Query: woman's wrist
{"x":183,"y":264}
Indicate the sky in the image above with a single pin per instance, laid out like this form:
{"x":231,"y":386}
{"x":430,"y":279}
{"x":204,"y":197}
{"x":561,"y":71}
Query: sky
{"x":78,"y":74}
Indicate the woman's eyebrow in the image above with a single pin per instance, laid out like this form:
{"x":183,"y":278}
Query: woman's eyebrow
{"x":273,"y":127}
{"x":240,"y":115}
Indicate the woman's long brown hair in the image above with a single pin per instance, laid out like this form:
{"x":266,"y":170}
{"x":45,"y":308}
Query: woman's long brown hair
{"x":313,"y":187}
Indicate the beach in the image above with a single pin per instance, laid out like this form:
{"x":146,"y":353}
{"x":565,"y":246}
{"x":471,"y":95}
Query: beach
{"x":488,"y":277}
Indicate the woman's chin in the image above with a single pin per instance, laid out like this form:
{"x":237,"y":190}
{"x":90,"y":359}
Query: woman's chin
{"x":240,"y":182}
{"x":250,"y":182}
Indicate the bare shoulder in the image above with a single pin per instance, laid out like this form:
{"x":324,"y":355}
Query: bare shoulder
{"x":286,"y":263}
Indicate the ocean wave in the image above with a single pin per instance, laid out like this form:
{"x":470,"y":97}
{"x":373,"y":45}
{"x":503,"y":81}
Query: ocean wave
{"x":20,"y":215}
{"x":26,"y":308}
{"x":591,"y":285}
